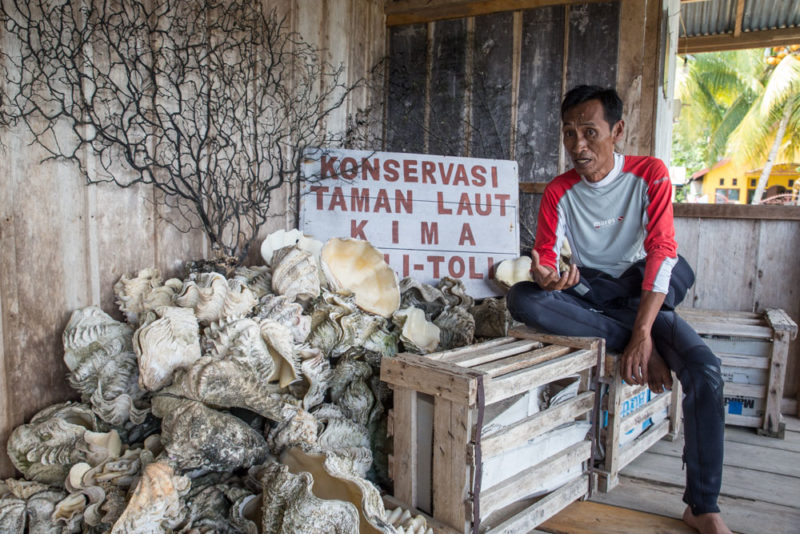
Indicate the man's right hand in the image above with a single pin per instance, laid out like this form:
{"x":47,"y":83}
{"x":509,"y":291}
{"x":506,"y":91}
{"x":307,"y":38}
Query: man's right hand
{"x":549,"y":279}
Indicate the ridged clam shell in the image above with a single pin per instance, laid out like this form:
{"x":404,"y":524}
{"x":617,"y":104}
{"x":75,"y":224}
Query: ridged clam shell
{"x":358,"y":267}
{"x":198,"y":438}
{"x":131,"y":292}
{"x":241,"y":340}
{"x":295,"y":274}
{"x":209,"y":504}
{"x":456,"y":327}
{"x":156,"y":504}
{"x":300,"y":431}
{"x":27,"y":507}
{"x":257,"y":279}
{"x":280,"y":343}
{"x":213,"y":297}
{"x":289,"y":506}
{"x":316,"y":373}
{"x":337,"y":325}
{"x":281,"y":309}
{"x":118,"y":397}
{"x":276,"y":241}
{"x":402,"y":520}
{"x":454,"y":292}
{"x":491,"y":318}
{"x":170,"y":342}
{"x":423,"y":296}
{"x":417,"y":333}
{"x":46,"y":448}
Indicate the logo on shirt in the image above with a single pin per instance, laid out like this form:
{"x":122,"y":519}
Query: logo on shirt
{"x":607,"y":222}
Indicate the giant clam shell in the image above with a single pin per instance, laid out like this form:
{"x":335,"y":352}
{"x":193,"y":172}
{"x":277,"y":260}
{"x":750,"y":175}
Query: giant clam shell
{"x":289,"y":505}
{"x":89,"y":334}
{"x":198,"y":438}
{"x":257,"y":279}
{"x":350,"y":391}
{"x":300,"y":430}
{"x":56,"y":438}
{"x":27,"y":507}
{"x":156,"y":504}
{"x":281,"y":309}
{"x":316,"y":373}
{"x":295,"y":274}
{"x":418,"y":334}
{"x":456,"y":327}
{"x":509,"y":272}
{"x":278,"y":240}
{"x":491,"y":318}
{"x":334,"y":479}
{"x":402,"y":520}
{"x":209,"y":504}
{"x":170,"y":342}
{"x":358,"y":267}
{"x":213,"y":297}
{"x":131,"y":292}
{"x":423,"y":296}
{"x":454,"y":292}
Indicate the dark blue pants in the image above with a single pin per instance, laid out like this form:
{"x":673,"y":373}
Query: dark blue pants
{"x":603,"y":306}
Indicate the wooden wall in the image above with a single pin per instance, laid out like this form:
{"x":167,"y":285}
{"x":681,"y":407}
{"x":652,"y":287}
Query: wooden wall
{"x":63,"y":244}
{"x":491,"y":85}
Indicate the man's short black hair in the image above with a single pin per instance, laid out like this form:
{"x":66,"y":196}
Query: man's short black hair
{"x":608,"y":97}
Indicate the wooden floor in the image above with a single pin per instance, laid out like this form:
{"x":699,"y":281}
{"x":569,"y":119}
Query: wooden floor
{"x":760,"y":490}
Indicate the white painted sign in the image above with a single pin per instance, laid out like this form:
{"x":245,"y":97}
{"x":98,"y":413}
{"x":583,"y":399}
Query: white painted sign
{"x":431,"y":216}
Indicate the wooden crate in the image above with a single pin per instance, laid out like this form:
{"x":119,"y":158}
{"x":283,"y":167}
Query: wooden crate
{"x":754,"y":350}
{"x":626,"y":408}
{"x":440,"y":447}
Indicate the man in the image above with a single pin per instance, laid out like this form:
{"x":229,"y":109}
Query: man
{"x":624,"y":282}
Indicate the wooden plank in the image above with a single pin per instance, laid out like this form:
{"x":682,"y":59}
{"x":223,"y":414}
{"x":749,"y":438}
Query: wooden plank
{"x":731,"y":330}
{"x":452,"y":425}
{"x":490,"y":129}
{"x":446,"y":129}
{"x":520,"y":361}
{"x":744,"y":347}
{"x":545,"y":508}
{"x":412,"y":11}
{"x":525,"y":332}
{"x":777,"y":374}
{"x":611,"y":461}
{"x":644,"y":441}
{"x":511,"y":384}
{"x":748,"y":362}
{"x":527,"y":481}
{"x":748,"y":436}
{"x":757,"y":391}
{"x":447,"y":354}
{"x":593,"y":44}
{"x":405,"y":446}
{"x":427,"y":376}
{"x":743,"y":516}
{"x":517,"y":434}
{"x":536,"y":188}
{"x":706,"y":315}
{"x":736,"y":482}
{"x":743,"y":420}
{"x":780,"y":321}
{"x":598,"y":518}
{"x":736,"y":211}
{"x":645,"y":412}
{"x":477,"y":357}
{"x":405,"y":120}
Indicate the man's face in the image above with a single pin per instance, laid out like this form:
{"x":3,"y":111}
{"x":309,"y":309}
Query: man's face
{"x":589,"y":139}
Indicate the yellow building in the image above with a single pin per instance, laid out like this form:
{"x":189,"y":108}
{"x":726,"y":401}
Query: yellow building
{"x":727,"y":183}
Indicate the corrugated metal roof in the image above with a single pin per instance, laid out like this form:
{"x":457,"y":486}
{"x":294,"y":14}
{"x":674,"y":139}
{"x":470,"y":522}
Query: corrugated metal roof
{"x":716,"y":17}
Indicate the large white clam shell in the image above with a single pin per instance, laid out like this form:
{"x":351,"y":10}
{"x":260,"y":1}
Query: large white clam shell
{"x":213,"y":297}
{"x":358,"y":267}
{"x":156,"y":504}
{"x":509,"y":272}
{"x":170,"y":342}
{"x":417,"y":334}
{"x":131,"y":292}
{"x":257,"y":279}
{"x":290,"y":314}
{"x":295,"y":274}
{"x":93,"y":334}
{"x":278,"y":240}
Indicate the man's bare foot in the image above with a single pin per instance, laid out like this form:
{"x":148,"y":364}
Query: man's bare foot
{"x":658,"y":375}
{"x":705,"y":523}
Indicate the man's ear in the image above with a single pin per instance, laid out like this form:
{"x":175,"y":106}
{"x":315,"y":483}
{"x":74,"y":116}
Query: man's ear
{"x":617,"y":130}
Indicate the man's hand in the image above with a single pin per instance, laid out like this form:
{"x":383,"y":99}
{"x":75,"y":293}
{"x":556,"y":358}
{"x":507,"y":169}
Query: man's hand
{"x":635,"y":359}
{"x":548,"y":279}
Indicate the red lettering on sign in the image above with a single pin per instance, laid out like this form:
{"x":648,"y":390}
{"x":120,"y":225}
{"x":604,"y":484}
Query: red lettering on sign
{"x":337,"y":200}
{"x":319,"y":190}
{"x":410,"y":170}
{"x":350,"y":173}
{"x":445,"y":175}
{"x":479,"y":175}
{"x":502,"y":199}
{"x":440,"y":205}
{"x":435,"y":260}
{"x":382,"y":201}
{"x":427,"y":172}
{"x":359,"y":199}
{"x":472,"y":273}
{"x":494,"y":176}
{"x":429,"y":234}
{"x":386,"y":259}
{"x":357,"y":230}
{"x":373,"y":169}
{"x":456,"y":267}
{"x":405,"y":265}
{"x":464,"y":205}
{"x":395,"y":232}
{"x":326,"y":163}
{"x":461,"y":175}
{"x":483,"y":211}
{"x":390,"y":167}
{"x":405,"y":202}
{"x":466,"y":235}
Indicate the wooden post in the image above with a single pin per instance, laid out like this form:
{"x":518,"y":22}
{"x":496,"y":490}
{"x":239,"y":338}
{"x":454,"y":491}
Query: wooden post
{"x":608,"y":481}
{"x":405,"y":446}
{"x":452,"y":431}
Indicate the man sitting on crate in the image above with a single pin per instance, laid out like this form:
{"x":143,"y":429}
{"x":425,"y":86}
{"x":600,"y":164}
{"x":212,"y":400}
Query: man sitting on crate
{"x":624,"y":282}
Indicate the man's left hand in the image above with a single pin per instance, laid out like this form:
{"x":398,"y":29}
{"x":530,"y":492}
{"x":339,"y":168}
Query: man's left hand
{"x":635,"y":359}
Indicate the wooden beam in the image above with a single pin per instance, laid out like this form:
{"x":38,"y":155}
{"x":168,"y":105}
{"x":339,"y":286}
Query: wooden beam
{"x":737,"y":29}
{"x":736,"y":211}
{"x":536,"y":188}
{"x":728,"y":41}
{"x":402,"y":12}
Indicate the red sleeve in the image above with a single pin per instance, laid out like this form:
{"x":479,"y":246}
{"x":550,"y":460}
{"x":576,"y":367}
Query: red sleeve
{"x":546,"y":243}
{"x":659,"y":243}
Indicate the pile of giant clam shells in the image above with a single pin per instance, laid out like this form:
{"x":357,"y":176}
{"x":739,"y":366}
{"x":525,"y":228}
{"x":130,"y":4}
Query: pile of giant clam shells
{"x":249,"y":404}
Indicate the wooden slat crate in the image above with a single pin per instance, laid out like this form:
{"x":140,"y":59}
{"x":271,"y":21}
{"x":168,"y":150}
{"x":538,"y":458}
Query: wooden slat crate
{"x":626,"y":409}
{"x":441,"y":444}
{"x":754,"y":350}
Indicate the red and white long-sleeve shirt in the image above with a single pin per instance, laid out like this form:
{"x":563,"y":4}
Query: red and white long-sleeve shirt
{"x":613,"y":223}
